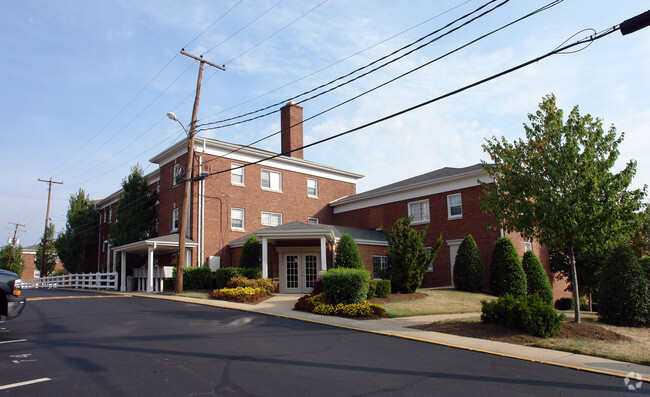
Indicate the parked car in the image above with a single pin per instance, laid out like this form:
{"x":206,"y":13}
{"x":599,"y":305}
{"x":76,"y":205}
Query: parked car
{"x":11,"y":303}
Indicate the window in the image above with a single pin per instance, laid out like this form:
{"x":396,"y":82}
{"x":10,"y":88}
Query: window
{"x":379,"y":264}
{"x":179,"y":175}
{"x":110,"y":215}
{"x":175,"y":220}
{"x":312,"y":220}
{"x":420,"y":211}
{"x":528,"y":245}
{"x":237,"y":218}
{"x":236,"y":174}
{"x":105,"y":215}
{"x":157,"y":225}
{"x":312,"y":187}
{"x":271,"y":180}
{"x":271,"y":219}
{"x":454,"y":206}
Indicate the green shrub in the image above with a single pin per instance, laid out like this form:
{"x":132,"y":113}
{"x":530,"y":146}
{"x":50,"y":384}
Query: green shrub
{"x":251,"y":273}
{"x":645,"y":266}
{"x":225,"y":274}
{"x":196,"y":278}
{"x":347,"y":253}
{"x":623,"y":294}
{"x":568,"y":304}
{"x":408,"y":257}
{"x":382,"y":288}
{"x":342,"y":285}
{"x":536,"y":280}
{"x":267,"y":284}
{"x":506,"y":274}
{"x":317,"y":304}
{"x":251,"y":254}
{"x":239,"y":294}
{"x":372,"y":289}
{"x":468,"y":266}
{"x":531,"y":314}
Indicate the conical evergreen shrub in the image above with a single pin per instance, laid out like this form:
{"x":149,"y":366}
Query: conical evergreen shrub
{"x":536,"y":279}
{"x":506,"y":274}
{"x":623,"y":297}
{"x":468,"y":266}
{"x":347,"y":253}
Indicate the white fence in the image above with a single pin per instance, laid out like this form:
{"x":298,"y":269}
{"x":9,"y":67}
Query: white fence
{"x":82,"y":280}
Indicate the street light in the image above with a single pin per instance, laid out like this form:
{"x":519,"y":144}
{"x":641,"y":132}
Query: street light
{"x":178,"y":288}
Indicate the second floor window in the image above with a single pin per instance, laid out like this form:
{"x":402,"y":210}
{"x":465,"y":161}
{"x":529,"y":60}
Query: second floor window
{"x":271,"y":180}
{"x":179,"y":175}
{"x":312,"y":187}
{"x":454,"y":206}
{"x":236,"y":174}
{"x":420,"y":211}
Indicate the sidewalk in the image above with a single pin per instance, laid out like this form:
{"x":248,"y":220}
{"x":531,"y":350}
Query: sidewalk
{"x":282,"y":305}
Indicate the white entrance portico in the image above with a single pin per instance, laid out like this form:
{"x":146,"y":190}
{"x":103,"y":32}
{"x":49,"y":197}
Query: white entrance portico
{"x":150,"y":247}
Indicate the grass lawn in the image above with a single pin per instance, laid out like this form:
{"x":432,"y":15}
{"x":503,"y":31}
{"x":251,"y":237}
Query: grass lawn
{"x":438,"y":301}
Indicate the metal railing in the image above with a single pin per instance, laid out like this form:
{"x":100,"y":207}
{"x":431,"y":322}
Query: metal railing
{"x":81,"y":280}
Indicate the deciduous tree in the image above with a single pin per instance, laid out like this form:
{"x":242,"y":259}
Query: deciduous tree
{"x":557,"y":184}
{"x":80,"y":232}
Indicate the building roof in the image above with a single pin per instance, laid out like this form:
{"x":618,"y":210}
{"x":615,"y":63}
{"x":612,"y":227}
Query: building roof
{"x":439,"y":176}
{"x":302,"y":230}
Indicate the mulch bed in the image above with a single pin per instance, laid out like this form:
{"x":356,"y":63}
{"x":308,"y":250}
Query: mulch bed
{"x":500,"y":333}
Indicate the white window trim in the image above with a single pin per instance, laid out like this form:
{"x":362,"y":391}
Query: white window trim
{"x":243,"y":219}
{"x":313,"y":221}
{"x":528,"y":246}
{"x":315,"y":187}
{"x":373,"y":265}
{"x":110,"y":215}
{"x":178,"y":171}
{"x":422,"y":221}
{"x":271,"y":215}
{"x":175,"y":220}
{"x":270,"y":188}
{"x":234,"y":168}
{"x":449,"y":215}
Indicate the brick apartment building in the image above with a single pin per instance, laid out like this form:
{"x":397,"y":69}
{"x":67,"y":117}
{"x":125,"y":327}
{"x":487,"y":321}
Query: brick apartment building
{"x":298,"y":209}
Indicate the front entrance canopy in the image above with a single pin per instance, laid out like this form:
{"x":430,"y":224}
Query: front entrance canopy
{"x":301,"y":231}
{"x":157,"y":245}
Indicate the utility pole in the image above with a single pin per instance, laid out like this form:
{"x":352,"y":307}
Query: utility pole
{"x":13,"y":240}
{"x":47,"y":218}
{"x":178,"y":288}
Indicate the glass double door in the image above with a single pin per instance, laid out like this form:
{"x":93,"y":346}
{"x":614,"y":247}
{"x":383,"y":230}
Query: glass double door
{"x":300,"y":272}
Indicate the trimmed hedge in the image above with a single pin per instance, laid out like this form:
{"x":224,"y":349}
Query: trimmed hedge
{"x":267,"y":284}
{"x":507,"y":277}
{"x":531,"y":314}
{"x":343,"y":285}
{"x":317,"y":304}
{"x":536,"y":280}
{"x":239,"y":294}
{"x":569,"y":304}
{"x":194,"y":278}
{"x":468,"y":266}
{"x":347,"y":253}
{"x":623,"y":297}
{"x":225,"y":274}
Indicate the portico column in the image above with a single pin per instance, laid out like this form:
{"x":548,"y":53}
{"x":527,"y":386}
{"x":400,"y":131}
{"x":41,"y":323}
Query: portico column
{"x":114,"y":262}
{"x":323,"y":253}
{"x":150,"y":250}
{"x":123,"y":275}
{"x":265,"y":258}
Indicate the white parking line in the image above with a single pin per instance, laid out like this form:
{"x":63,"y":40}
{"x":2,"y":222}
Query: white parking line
{"x":13,"y":341}
{"x":25,"y":383}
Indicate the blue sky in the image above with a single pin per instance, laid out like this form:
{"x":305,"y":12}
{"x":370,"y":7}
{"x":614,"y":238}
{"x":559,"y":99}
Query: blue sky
{"x":86,"y":85}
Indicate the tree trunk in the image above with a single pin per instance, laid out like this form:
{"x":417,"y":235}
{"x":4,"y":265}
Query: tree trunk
{"x":574,"y":284}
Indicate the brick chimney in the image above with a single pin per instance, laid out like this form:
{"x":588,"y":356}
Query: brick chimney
{"x":291,"y":136}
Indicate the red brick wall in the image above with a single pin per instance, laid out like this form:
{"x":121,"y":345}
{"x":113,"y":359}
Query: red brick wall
{"x":293,"y":203}
{"x":473,"y":222}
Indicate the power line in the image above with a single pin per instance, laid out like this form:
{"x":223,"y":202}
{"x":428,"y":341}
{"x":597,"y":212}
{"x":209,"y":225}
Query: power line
{"x":212,"y":24}
{"x":363,"y":67}
{"x":433,"y":100}
{"x":541,"y":9}
{"x":335,"y":63}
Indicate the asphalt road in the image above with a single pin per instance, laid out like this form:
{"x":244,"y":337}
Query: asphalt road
{"x":89,"y":344}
